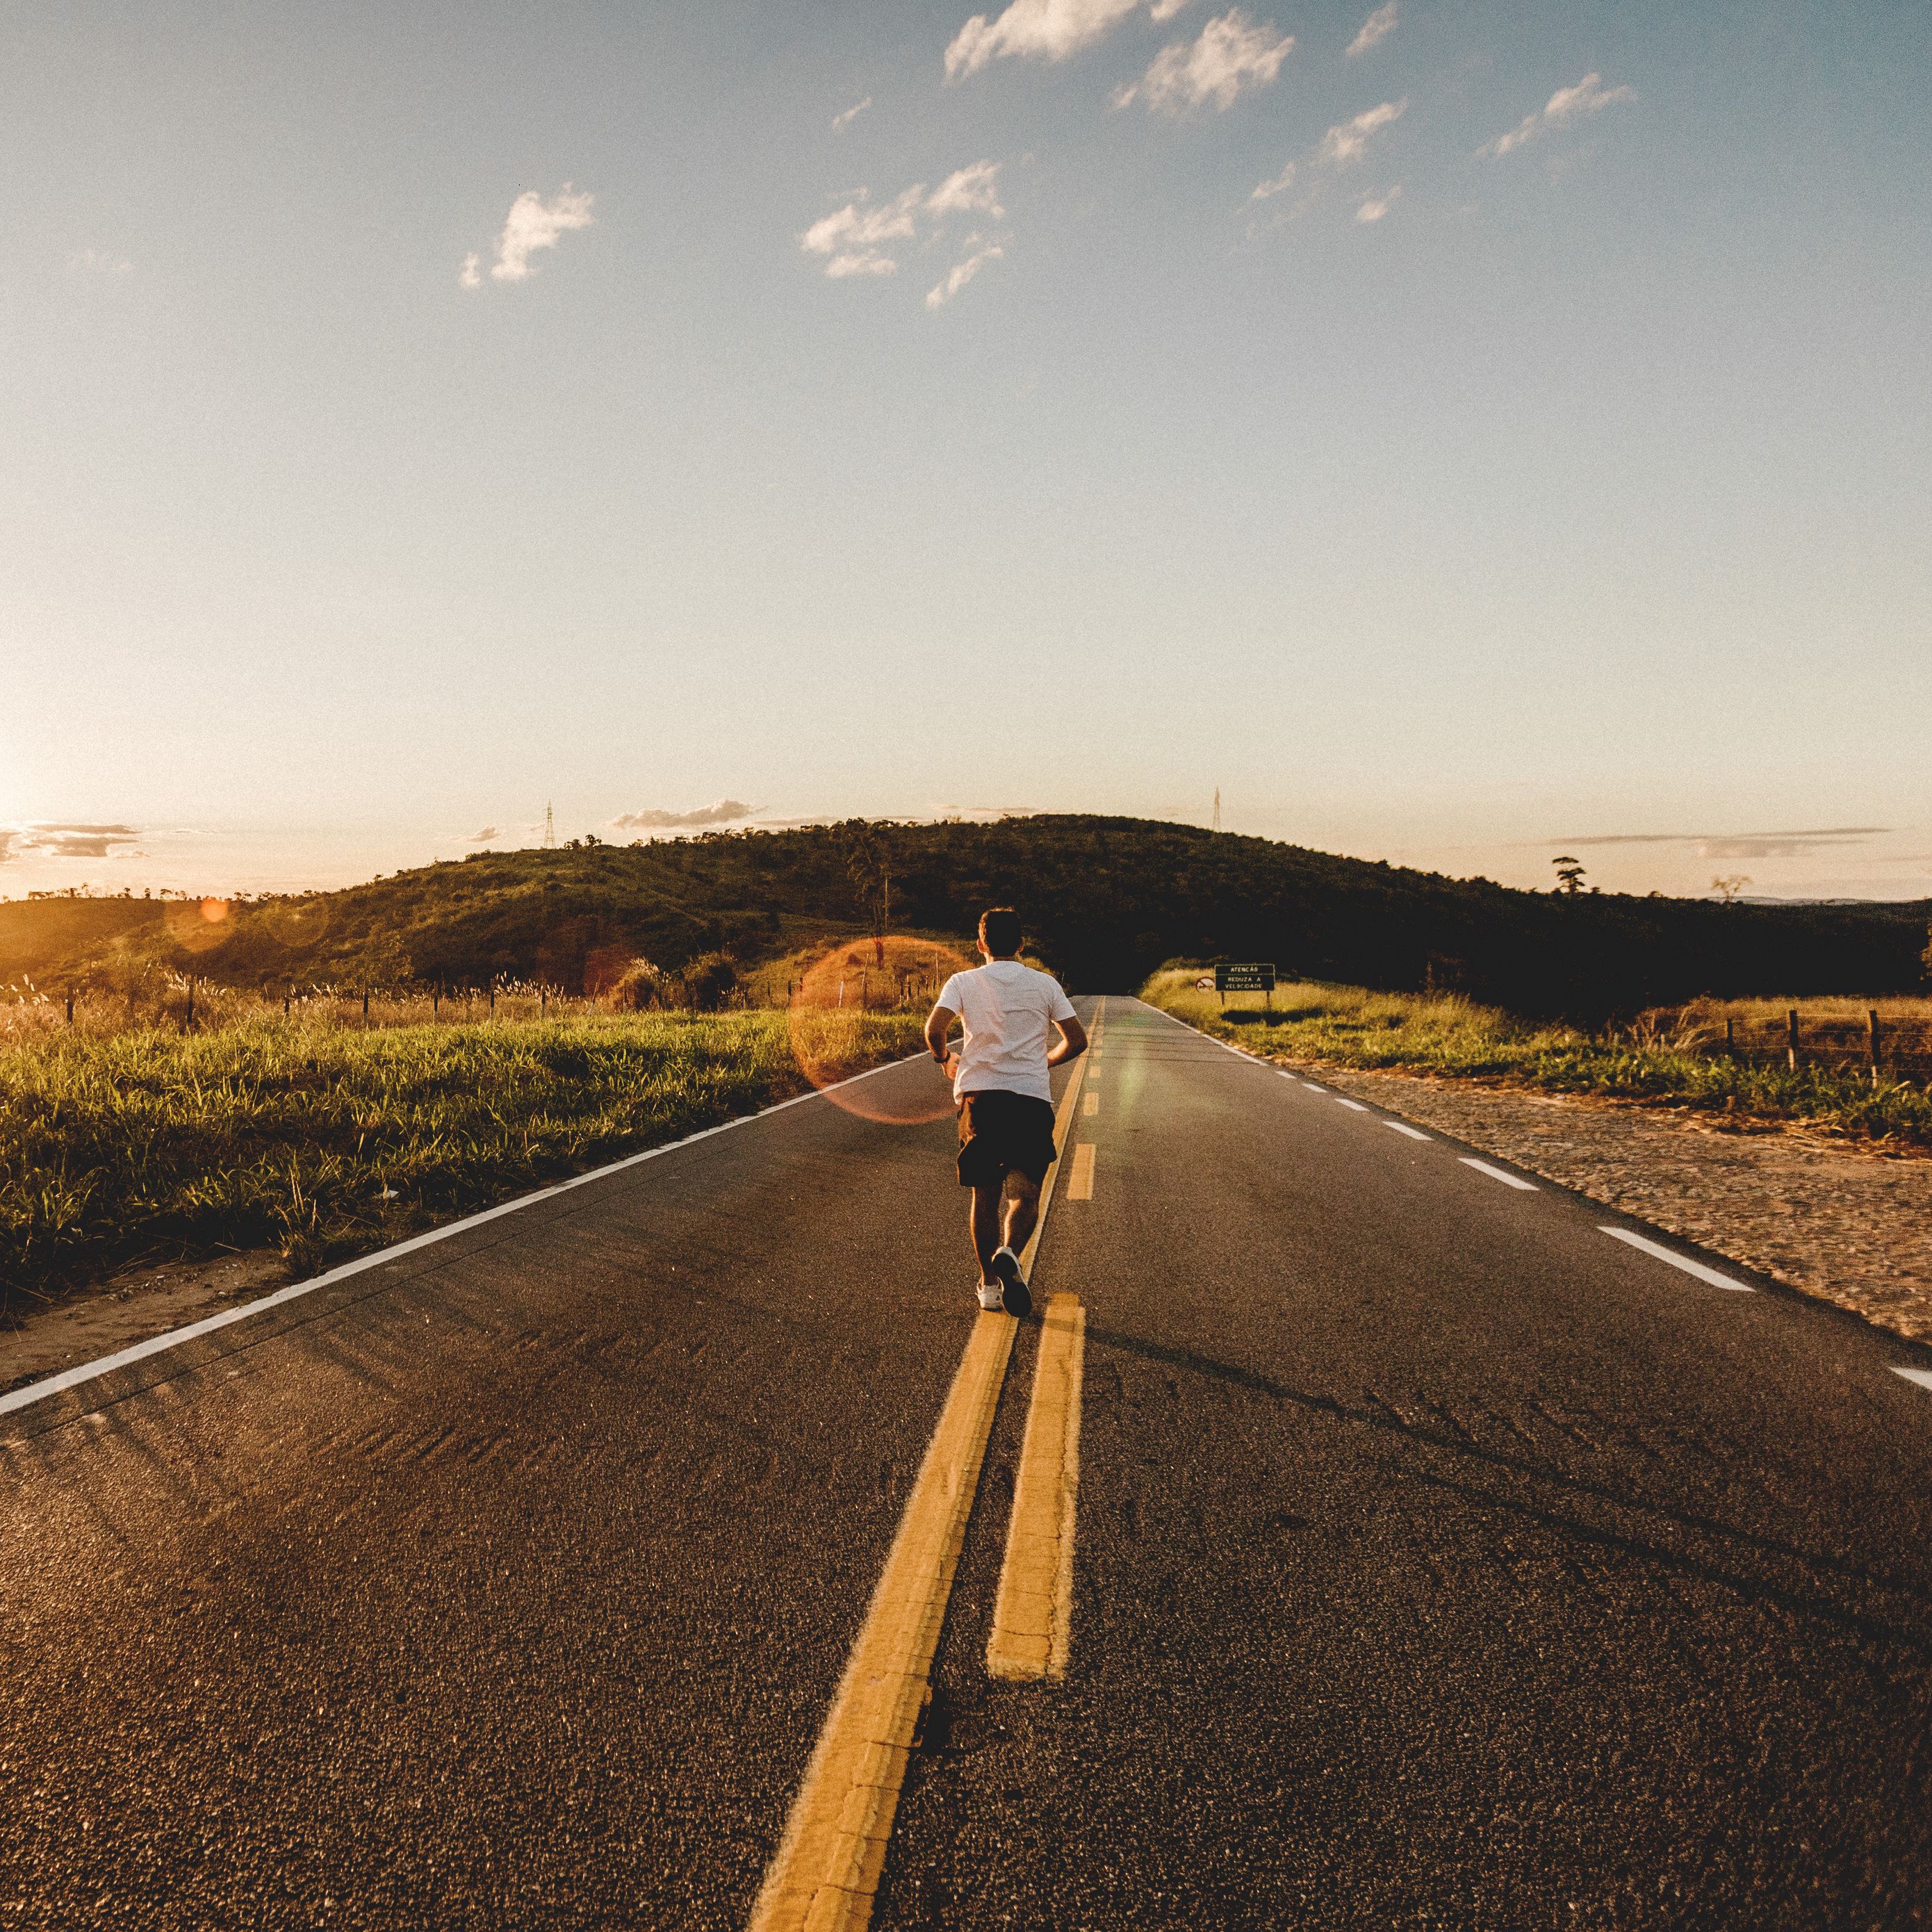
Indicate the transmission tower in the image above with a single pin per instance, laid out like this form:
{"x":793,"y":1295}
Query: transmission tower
{"x":550,"y":825}
{"x":1217,"y":808}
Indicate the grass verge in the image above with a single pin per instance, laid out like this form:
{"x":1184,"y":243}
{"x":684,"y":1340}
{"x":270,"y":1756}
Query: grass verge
{"x":1444,"y":1033}
{"x":324,"y":1143}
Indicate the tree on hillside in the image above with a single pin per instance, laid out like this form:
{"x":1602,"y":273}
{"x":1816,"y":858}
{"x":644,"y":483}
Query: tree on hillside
{"x":1728,"y":885}
{"x":709,"y":981}
{"x":868,"y":865}
{"x":1569,"y":876}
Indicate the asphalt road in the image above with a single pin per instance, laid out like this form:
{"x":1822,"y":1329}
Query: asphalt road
{"x":1441,"y":1560}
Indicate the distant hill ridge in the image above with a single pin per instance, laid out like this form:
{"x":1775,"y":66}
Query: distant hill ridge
{"x":1106,"y":900}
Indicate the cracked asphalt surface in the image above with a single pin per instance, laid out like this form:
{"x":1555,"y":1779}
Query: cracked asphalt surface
{"x":1440,"y":1562}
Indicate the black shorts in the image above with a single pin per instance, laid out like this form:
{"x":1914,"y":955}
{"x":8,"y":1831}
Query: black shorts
{"x":1002,"y":1133}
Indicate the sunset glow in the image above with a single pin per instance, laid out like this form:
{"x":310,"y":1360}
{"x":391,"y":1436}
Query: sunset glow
{"x":1446,"y":433}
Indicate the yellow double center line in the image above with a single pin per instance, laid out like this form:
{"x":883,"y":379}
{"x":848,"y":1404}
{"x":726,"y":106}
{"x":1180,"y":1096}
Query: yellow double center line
{"x":1032,"y":1615}
{"x":827,"y":1870}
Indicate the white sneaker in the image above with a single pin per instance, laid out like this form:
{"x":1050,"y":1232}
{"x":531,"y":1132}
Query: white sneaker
{"x":1016,"y":1297}
{"x":993,"y":1295}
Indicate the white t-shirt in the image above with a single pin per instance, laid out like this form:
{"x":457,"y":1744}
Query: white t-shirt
{"x":1009,"y":1010}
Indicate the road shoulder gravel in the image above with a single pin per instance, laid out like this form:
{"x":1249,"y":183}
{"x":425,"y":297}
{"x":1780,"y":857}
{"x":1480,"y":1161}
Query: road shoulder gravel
{"x":1844,"y":1226}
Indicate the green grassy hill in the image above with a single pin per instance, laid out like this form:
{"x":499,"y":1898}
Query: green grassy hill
{"x":43,"y":938}
{"x":1107,"y":900}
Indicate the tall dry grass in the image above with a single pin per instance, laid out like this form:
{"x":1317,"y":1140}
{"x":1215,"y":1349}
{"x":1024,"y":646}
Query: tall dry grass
{"x":1666,"y":1059}
{"x":160,"y":1002}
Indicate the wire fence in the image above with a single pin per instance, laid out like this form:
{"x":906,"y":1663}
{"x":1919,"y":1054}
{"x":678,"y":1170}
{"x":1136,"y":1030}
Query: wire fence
{"x":1894,"y":1044}
{"x":179,"y":1003}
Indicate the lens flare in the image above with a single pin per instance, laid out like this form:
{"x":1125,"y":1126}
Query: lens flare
{"x":296,"y":924}
{"x":197,"y":925}
{"x":899,"y":973}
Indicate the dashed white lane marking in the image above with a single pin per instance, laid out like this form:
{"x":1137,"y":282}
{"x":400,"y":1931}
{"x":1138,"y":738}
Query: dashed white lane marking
{"x":1683,"y":1261}
{"x":1313,"y":1088}
{"x":1403,"y":1127}
{"x":1089,"y":1102}
{"x":1923,"y":1377}
{"x":1498,"y":1173}
{"x":1342,"y":1100}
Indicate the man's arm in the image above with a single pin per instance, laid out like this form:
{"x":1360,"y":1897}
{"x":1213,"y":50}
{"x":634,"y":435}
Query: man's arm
{"x":939,"y":1023}
{"x":1071,"y":1045}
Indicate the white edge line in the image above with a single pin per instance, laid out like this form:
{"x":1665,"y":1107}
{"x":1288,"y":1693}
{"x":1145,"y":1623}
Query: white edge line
{"x":67,"y":1378}
{"x":1226,"y":1046}
{"x":1684,"y":1262}
{"x":1923,"y":1377}
{"x":1499,"y":1174}
{"x":1343,"y":1100}
{"x":1403,"y":1127}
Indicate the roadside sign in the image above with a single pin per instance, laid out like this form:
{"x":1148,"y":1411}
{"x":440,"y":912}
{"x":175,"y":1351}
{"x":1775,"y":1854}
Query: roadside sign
{"x":1250,"y":978}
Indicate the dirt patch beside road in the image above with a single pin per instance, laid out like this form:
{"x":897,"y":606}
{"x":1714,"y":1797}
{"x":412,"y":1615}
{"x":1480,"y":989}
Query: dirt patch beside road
{"x":88,"y":1323}
{"x":1846,"y":1225}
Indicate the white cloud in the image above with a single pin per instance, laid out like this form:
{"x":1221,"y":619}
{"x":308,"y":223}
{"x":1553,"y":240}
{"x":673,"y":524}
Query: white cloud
{"x":1232,"y":56}
{"x":858,"y":238}
{"x":1751,"y":844}
{"x":963,"y":272}
{"x":99,"y":262}
{"x":975,"y":189}
{"x":484,"y":837}
{"x":64,"y":842}
{"x":532,"y":223}
{"x":1282,"y":183}
{"x":1376,"y":27}
{"x":1589,"y":96}
{"x":1348,"y":140}
{"x":1343,"y":144}
{"x":726,"y":811}
{"x":840,"y":122}
{"x":1041,"y":30}
{"x":858,"y":261}
{"x":854,"y":237}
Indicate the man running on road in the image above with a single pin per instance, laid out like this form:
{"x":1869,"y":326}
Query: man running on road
{"x":1006,"y":1104}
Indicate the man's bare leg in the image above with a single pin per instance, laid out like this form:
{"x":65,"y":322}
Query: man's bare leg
{"x":984,"y":1219}
{"x":1022,"y":1210}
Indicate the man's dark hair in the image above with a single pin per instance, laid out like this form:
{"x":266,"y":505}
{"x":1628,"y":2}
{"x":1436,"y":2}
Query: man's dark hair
{"x":1000,"y":928}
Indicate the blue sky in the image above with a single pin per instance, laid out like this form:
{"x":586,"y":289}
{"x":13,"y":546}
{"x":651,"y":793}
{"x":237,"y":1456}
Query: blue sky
{"x":1543,"y":459}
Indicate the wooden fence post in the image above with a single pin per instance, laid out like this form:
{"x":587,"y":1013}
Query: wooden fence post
{"x":1872,"y":1040}
{"x":493,"y":999}
{"x":190,"y":1020}
{"x":365,"y":1006}
{"x":287,"y":996}
{"x":1730,"y":1036}
{"x":543,"y":1002}
{"x":1791,"y":1038}
{"x":69,"y":1007}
